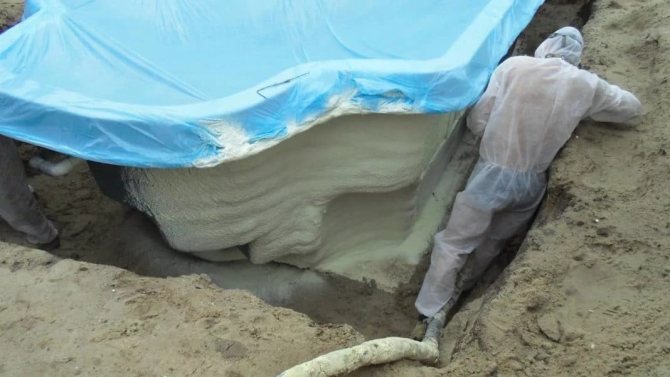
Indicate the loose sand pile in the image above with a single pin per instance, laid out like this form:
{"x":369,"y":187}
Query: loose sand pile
{"x":586,"y":295}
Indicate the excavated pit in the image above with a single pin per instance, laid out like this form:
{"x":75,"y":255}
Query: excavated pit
{"x":98,"y":230}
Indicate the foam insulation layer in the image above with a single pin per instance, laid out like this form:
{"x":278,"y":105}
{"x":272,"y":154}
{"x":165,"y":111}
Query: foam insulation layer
{"x":352,"y":190}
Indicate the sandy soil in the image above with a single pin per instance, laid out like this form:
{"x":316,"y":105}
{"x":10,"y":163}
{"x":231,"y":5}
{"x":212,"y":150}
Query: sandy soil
{"x":586,"y":295}
{"x":10,"y":12}
{"x":68,"y":318}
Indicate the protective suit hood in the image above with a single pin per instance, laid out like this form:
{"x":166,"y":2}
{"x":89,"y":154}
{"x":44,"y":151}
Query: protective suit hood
{"x":565,"y":43}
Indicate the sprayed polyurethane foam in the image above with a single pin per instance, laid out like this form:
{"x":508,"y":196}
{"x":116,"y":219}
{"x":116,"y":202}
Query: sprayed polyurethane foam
{"x":355,"y":191}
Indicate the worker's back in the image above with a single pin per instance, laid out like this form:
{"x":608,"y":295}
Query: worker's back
{"x":538,"y":103}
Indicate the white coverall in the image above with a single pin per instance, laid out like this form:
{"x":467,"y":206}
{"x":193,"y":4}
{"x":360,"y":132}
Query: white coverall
{"x":18,"y":206}
{"x":528,"y":112}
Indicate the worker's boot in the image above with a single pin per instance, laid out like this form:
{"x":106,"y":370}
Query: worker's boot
{"x":49,"y":246}
{"x":419,"y":330}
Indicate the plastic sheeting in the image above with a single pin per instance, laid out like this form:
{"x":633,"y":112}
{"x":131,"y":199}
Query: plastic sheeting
{"x":177,"y":83}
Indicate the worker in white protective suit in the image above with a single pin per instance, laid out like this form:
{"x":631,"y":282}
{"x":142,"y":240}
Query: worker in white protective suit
{"x":18,"y":206}
{"x":528,"y":112}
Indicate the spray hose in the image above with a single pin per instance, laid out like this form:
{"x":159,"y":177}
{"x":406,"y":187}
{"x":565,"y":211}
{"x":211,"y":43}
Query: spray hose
{"x":378,"y":351}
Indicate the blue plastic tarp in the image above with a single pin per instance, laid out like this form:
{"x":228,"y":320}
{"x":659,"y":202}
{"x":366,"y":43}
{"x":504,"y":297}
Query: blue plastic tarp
{"x":178,"y":83}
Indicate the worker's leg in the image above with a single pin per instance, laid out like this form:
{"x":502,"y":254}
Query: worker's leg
{"x":478,"y":262}
{"x":18,"y":206}
{"x":465,"y":231}
{"x":504,"y":225}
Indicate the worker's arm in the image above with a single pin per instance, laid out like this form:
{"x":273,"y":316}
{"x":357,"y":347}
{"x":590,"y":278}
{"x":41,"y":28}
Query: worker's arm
{"x":615,"y":105}
{"x":479,"y":115}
